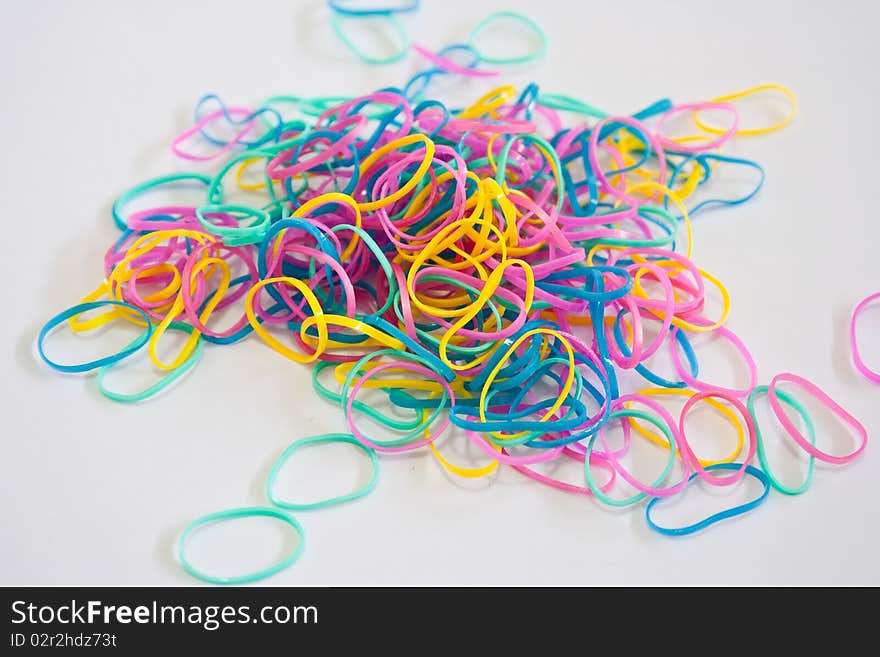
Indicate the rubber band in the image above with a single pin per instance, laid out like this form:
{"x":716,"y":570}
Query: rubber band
{"x":519,"y":18}
{"x":864,"y":370}
{"x":827,"y":402}
{"x":762,"y":453}
{"x":716,"y":517}
{"x":162,"y":383}
{"x":233,"y":514}
{"x":344,"y":8}
{"x":703,"y":472}
{"x":717,"y":406}
{"x":785,"y":91}
{"x":391,"y":19}
{"x":319,"y":440}
{"x":78,"y":309}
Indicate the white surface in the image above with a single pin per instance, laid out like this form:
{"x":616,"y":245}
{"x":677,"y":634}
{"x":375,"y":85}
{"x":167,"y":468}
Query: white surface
{"x":95,"y":492}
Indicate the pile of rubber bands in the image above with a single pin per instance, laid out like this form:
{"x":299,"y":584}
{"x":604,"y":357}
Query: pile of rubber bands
{"x":489,"y":270}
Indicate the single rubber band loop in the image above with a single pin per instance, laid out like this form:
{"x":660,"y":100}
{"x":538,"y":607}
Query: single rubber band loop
{"x":716,"y":517}
{"x":864,"y":370}
{"x":762,"y":454}
{"x":520,"y":18}
{"x":232,"y":514}
{"x":828,"y":403}
{"x":78,"y":309}
{"x":318,"y":440}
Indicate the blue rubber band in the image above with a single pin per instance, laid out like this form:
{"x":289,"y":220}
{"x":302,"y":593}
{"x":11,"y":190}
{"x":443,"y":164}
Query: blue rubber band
{"x":717,"y":517}
{"x":78,"y":309}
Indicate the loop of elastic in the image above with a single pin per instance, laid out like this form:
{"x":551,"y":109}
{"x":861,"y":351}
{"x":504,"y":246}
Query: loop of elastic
{"x":716,"y":517}
{"x":78,"y":309}
{"x":518,"y":59}
{"x":819,"y":395}
{"x":639,"y":496}
{"x":238,"y":235}
{"x":691,"y":455}
{"x":742,"y":132}
{"x":166,"y":380}
{"x":721,"y":408}
{"x":232,"y":514}
{"x":867,"y":372}
{"x":762,"y":452}
{"x":733,"y":339}
{"x":391,"y":19}
{"x":319,"y":440}
{"x":273,"y":342}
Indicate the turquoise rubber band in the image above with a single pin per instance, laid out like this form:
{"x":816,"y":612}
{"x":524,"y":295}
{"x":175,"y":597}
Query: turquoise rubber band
{"x":673,"y":449}
{"x":162,"y":383}
{"x":137,"y":190}
{"x":369,"y":59}
{"x":762,"y":454}
{"x":316,"y":440}
{"x":232,"y":514}
{"x":521,"y":59}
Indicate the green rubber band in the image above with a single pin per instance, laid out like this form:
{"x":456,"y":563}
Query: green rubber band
{"x":162,"y":383}
{"x":326,"y":393}
{"x":638,"y":497}
{"x":762,"y":454}
{"x":232,"y":514}
{"x":369,"y":59}
{"x":520,"y":18}
{"x":501,"y":163}
{"x":381,"y":418}
{"x":315,"y":440}
{"x":137,"y":190}
{"x":381,"y":258}
{"x":236,"y":235}
{"x":565,"y":103}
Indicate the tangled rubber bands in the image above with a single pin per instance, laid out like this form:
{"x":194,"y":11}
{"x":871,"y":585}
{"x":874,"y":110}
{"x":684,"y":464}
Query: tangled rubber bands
{"x":490,"y":272}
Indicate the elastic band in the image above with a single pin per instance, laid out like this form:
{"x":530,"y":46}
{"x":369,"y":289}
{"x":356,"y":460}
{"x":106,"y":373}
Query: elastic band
{"x":317,"y":440}
{"x":232,"y":514}
{"x":78,"y":309}
{"x":162,"y":383}
{"x":520,"y":18}
{"x":865,"y":371}
{"x":762,"y":455}
{"x":360,"y":54}
{"x":716,"y":517}
{"x":828,"y":403}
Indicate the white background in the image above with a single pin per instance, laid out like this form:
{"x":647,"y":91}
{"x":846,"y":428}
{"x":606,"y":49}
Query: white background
{"x":95,"y":492}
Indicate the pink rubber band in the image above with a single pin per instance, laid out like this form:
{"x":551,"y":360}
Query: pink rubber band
{"x":686,"y":448}
{"x":826,"y":401}
{"x":865,"y":371}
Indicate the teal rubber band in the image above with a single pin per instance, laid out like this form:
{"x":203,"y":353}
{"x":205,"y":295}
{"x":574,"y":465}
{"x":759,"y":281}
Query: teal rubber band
{"x":369,"y":59}
{"x":376,"y":250}
{"x":162,"y":383}
{"x":232,"y":514}
{"x":316,"y":440}
{"x":381,"y":418}
{"x":568,"y":104}
{"x":326,"y":393}
{"x":137,"y":190}
{"x":638,"y":497}
{"x":762,"y":454}
{"x":521,"y":59}
{"x":501,"y":163}
{"x":236,"y":235}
